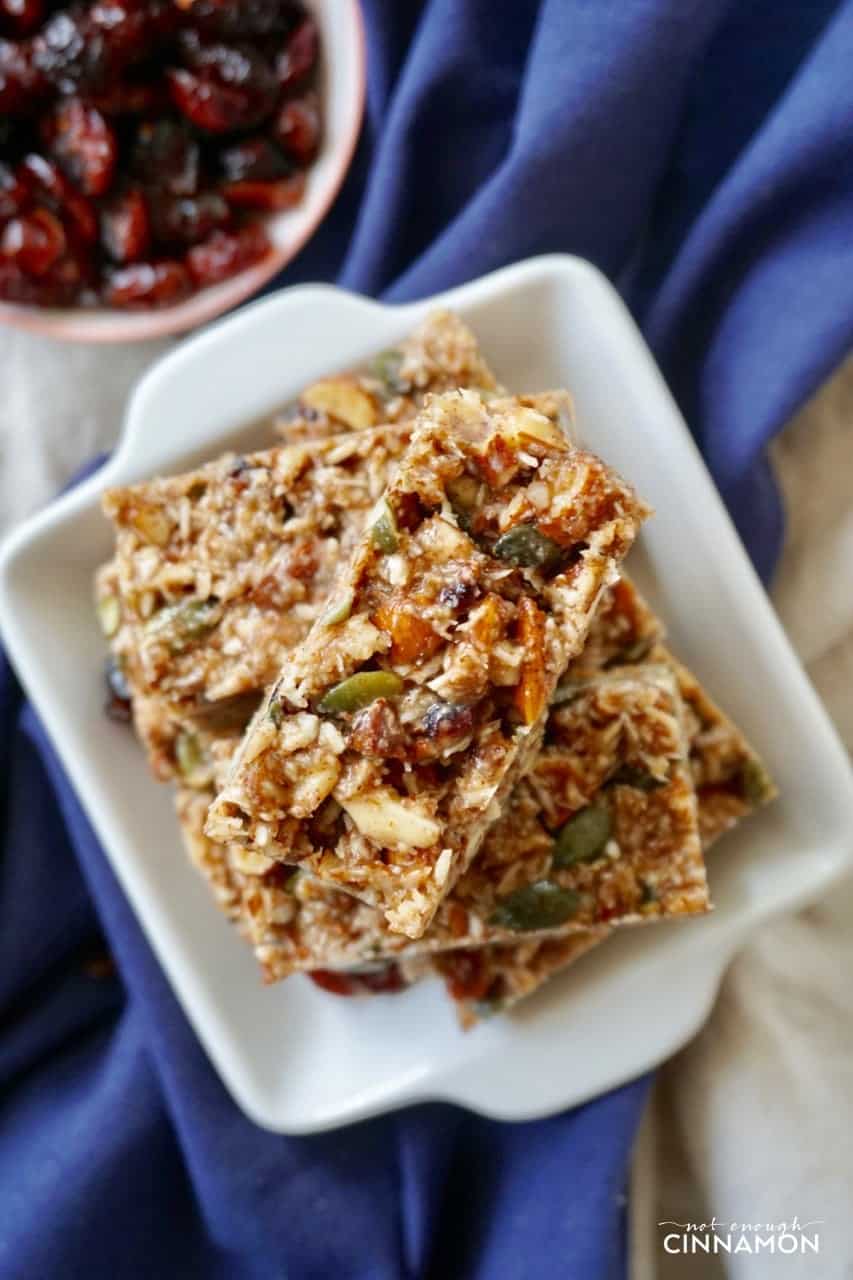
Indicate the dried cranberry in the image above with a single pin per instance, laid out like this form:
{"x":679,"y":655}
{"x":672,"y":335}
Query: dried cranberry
{"x":128,"y":98}
{"x":83,"y":143}
{"x":21,"y":81}
{"x":184,"y":220}
{"x":460,"y":594}
{"x":117,"y":709}
{"x":52,"y":290}
{"x":338,"y":984}
{"x":253,"y":160}
{"x":22,"y":16}
{"x":388,"y":979}
{"x":147,"y":284}
{"x":125,"y":229}
{"x":268,"y":196}
{"x":48,"y":181}
{"x":14,"y":194}
{"x":229,"y":87}
{"x":467,"y":975}
{"x":238,"y":17}
{"x":16,"y":287}
{"x":298,"y":129}
{"x":33,"y":242}
{"x":298,"y":57}
{"x":227,"y":252}
{"x":164,"y":155}
{"x":88,"y":48}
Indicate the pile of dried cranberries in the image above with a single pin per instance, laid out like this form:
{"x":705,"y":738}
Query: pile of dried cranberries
{"x":142,"y":140}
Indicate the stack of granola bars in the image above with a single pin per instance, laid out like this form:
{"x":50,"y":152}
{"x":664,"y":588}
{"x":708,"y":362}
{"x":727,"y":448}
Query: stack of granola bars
{"x":419,"y":721}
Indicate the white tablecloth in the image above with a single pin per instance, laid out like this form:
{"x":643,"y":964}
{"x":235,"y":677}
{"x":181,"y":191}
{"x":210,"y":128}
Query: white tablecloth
{"x":754,"y":1121}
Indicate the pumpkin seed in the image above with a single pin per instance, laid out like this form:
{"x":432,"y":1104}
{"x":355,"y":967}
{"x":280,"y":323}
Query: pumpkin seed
{"x":385,"y":367}
{"x":541,"y":905}
{"x":183,"y":623}
{"x":339,"y":610}
{"x":359,"y":691}
{"x":488,"y":1008}
{"x":755,"y":782}
{"x":383,"y":531}
{"x":628,"y":775}
{"x":526,"y":546}
{"x":188,"y":753}
{"x":583,"y":837}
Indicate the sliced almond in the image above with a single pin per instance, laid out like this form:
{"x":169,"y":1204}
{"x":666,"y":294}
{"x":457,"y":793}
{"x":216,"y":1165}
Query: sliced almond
{"x":344,"y":399}
{"x":388,"y":820}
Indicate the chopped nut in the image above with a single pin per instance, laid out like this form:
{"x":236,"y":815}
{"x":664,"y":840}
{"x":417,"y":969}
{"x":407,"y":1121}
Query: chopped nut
{"x":387,"y":819}
{"x":154,"y":525}
{"x":531,"y":690}
{"x":527,"y":425}
{"x":344,"y":399}
{"x":441,"y":870}
{"x":412,"y":639}
{"x":109,"y":615}
{"x":297,"y":732}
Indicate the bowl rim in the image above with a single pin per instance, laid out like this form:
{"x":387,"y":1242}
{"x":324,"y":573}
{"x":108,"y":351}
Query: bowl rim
{"x":80,"y":324}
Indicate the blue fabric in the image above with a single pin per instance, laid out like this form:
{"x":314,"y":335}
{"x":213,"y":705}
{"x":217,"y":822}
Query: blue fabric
{"x":699,"y":151}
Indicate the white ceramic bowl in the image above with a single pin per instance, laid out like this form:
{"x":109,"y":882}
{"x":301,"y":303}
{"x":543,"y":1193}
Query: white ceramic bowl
{"x":342,"y":87}
{"x":295,"y":1058}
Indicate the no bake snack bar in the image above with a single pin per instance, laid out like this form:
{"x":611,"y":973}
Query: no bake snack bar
{"x":440,"y":355}
{"x":395,"y":731}
{"x":219,"y":572}
{"x":731,"y":783}
{"x":614,"y":838}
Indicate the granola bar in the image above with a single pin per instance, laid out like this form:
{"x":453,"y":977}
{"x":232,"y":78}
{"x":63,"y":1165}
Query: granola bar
{"x":490,"y":979}
{"x":420,"y":696}
{"x":614,"y":838}
{"x":731,"y":783}
{"x":221,"y":571}
{"x":226,"y":525}
{"x":267,"y":580}
{"x":440,"y":355}
{"x":730,"y":778}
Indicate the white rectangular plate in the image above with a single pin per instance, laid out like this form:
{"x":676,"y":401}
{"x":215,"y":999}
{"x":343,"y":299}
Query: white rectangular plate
{"x":295,"y":1059}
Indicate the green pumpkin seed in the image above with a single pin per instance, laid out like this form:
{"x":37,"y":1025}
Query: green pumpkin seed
{"x":755,"y":783}
{"x":188,"y":753}
{"x":383,"y":531}
{"x":628,"y":775}
{"x":339,"y":609}
{"x":487,"y":1008}
{"x":359,"y":691}
{"x":385,"y":367}
{"x":109,"y":615}
{"x":526,"y":546}
{"x":541,"y":905}
{"x":183,"y":623}
{"x":583,"y":837}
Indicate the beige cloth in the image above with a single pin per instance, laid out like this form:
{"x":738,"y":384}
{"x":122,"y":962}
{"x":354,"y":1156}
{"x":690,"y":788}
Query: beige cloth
{"x":754,"y":1121}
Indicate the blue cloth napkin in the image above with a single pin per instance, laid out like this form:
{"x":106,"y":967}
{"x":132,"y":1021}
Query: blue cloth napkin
{"x":699,"y":151}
